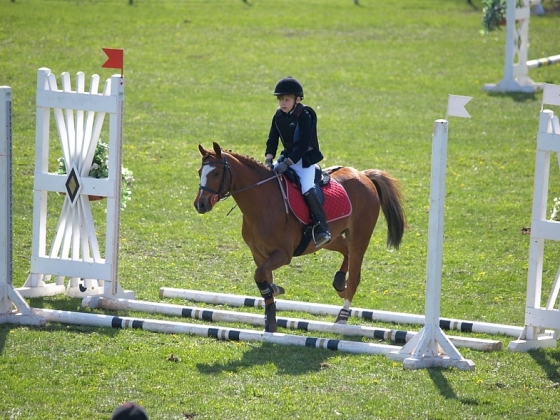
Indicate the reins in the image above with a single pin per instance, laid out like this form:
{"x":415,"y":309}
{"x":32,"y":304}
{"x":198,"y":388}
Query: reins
{"x":226,"y":194}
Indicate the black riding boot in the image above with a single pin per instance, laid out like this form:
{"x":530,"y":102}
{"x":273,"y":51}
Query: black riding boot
{"x":321,"y":234}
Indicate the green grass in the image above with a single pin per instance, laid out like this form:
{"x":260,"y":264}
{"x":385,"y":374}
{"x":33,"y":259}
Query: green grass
{"x":378,"y":75}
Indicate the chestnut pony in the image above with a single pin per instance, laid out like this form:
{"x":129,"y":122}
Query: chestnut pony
{"x":273,"y":233}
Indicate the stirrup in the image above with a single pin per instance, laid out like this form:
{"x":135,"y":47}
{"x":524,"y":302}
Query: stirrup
{"x":321,"y":241}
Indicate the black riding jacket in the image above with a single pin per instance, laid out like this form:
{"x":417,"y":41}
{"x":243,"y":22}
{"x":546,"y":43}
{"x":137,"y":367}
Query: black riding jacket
{"x":298,"y":133}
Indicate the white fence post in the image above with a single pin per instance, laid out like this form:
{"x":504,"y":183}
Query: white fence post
{"x":74,"y":251}
{"x":13,"y":308}
{"x":537,"y":317}
{"x":430,"y":347}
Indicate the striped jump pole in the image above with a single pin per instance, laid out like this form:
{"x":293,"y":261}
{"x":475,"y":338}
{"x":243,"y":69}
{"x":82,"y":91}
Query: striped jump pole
{"x":322,"y":309}
{"x":220,"y":333}
{"x":289,"y":323}
{"x":542,"y":62}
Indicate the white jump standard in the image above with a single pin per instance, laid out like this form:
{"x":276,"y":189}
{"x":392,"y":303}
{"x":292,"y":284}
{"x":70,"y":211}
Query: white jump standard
{"x":516,"y":67}
{"x":538,"y":317}
{"x":13,"y":308}
{"x":206,"y":314}
{"x":74,"y":252}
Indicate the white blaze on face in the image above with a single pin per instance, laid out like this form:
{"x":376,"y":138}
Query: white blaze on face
{"x":206,"y":169}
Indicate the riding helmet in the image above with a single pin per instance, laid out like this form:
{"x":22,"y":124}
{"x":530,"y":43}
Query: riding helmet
{"x":288,"y":85}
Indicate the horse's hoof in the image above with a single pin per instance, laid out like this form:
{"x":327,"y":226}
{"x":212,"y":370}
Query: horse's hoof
{"x":271,"y":329}
{"x":270,"y":318}
{"x":343,"y":316}
{"x":339,"y":282}
{"x":277,"y":290}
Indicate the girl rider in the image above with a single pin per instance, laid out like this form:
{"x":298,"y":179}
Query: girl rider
{"x":296,"y":126}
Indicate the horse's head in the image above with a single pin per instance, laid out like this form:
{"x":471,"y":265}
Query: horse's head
{"x":215,"y":178}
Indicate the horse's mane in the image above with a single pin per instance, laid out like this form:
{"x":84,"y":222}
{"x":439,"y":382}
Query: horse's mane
{"x":247,"y":160}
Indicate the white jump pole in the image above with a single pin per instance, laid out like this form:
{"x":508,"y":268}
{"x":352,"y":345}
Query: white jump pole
{"x":220,"y":333}
{"x":205,"y":314}
{"x":323,"y":309}
{"x":13,"y":308}
{"x":430,"y":347}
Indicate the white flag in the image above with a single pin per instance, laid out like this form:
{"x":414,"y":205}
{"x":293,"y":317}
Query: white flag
{"x":551,"y":95}
{"x":456,"y":106}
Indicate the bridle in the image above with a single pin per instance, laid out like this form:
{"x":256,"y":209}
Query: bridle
{"x":224,"y":192}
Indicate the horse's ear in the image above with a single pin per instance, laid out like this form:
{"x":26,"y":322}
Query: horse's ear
{"x":202,"y":151}
{"x":218,"y":150}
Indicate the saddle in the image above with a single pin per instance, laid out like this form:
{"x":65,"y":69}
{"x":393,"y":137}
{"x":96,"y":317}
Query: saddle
{"x":332,"y":195}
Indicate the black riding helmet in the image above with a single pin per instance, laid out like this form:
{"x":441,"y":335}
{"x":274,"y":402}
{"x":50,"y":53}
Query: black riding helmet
{"x":288,"y":85}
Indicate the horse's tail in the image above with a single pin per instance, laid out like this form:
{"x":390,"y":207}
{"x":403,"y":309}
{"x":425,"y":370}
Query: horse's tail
{"x":391,"y":199}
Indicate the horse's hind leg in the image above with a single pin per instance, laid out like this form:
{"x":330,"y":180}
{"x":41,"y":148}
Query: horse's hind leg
{"x":357,"y":246}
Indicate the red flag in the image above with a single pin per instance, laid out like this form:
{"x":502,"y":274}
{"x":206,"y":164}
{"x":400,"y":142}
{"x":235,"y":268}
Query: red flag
{"x":115,"y":59}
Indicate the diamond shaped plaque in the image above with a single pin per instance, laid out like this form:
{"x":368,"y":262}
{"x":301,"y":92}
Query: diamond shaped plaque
{"x":73,"y":186}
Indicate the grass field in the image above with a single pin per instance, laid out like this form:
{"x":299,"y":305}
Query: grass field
{"x":378,"y":74}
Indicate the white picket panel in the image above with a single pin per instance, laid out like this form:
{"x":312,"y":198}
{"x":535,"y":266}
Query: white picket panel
{"x":74,"y":251}
{"x":537,"y":317}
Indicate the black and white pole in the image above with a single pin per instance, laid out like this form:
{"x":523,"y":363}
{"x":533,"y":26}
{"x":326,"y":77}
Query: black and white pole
{"x":375,"y":315}
{"x":217,"y":332}
{"x":13,"y":308}
{"x":205,"y":314}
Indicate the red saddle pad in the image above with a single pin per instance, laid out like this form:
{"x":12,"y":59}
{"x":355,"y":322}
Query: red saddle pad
{"x":337,"y":205}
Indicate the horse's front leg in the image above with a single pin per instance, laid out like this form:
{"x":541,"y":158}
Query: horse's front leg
{"x":350,"y":291}
{"x":264,"y":280}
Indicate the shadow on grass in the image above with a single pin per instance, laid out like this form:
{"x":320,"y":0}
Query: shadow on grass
{"x":516,"y":96}
{"x":55,"y":327}
{"x":60,"y":303}
{"x":289,"y":360}
{"x":445,"y":389}
{"x":4,"y":331}
{"x":549,"y":362}
{"x":64,"y":304}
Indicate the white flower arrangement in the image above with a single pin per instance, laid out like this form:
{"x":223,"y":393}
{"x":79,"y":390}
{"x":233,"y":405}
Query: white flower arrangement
{"x":556,"y":210}
{"x":100,"y":169}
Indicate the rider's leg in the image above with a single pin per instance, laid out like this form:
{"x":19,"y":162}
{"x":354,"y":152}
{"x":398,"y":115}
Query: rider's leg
{"x":321,"y":234}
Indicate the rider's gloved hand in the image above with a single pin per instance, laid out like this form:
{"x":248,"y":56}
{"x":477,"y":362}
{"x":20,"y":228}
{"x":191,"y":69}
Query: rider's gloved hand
{"x":268,"y":163}
{"x":281,"y":167}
